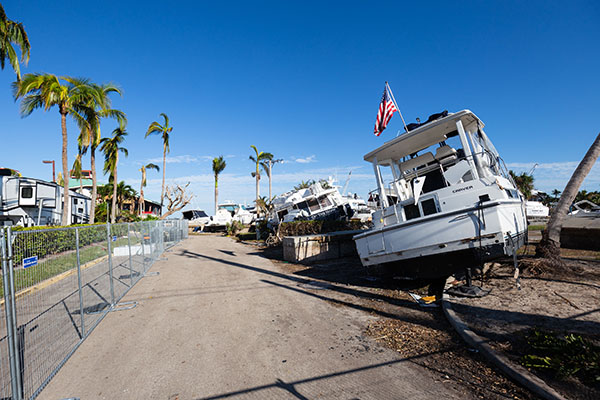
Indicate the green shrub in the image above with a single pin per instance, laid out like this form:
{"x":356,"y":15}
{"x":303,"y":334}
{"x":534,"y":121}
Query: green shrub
{"x":299,"y":228}
{"x":233,"y":227}
{"x":564,"y":355}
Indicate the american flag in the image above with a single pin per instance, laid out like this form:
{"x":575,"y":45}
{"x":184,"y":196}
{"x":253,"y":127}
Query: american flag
{"x":386,"y":110}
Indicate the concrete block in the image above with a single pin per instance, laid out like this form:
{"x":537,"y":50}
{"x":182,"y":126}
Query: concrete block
{"x":311,"y":248}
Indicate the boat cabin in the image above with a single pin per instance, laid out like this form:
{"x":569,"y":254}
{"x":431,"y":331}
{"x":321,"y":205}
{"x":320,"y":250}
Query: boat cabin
{"x":448,"y":152}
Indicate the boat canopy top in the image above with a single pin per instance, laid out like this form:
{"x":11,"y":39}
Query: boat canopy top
{"x":423,"y":136}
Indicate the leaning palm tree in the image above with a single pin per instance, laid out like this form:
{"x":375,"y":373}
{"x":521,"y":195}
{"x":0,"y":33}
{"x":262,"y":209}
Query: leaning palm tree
{"x":549,"y":246}
{"x":45,"y":91}
{"x":218,"y":165}
{"x":143,"y":185}
{"x":163,"y":130}
{"x":111,"y":148}
{"x":258,"y":159}
{"x":96,"y":107}
{"x":12,"y":32}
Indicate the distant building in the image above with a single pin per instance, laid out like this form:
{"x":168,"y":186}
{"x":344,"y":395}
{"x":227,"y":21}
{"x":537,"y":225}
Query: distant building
{"x":150,"y":207}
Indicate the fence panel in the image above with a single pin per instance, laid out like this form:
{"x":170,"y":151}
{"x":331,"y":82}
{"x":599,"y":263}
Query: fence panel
{"x":58,"y":284}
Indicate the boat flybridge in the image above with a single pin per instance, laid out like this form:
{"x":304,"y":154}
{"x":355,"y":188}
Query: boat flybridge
{"x":450,"y":203}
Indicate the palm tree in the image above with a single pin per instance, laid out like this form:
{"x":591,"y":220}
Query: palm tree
{"x":12,"y":32}
{"x":556,"y":193}
{"x":111,"y":148}
{"x":45,"y":91}
{"x":549,"y":246}
{"x":218,"y":165}
{"x":524,"y":183}
{"x":258,"y":159}
{"x":96,"y":107}
{"x":267,"y":167}
{"x":124,"y":192}
{"x":304,"y":185}
{"x":76,"y":169}
{"x":143,"y":185}
{"x":164,"y":131}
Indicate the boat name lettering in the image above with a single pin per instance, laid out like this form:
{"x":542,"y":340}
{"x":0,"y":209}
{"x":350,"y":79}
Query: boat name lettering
{"x":461,"y":189}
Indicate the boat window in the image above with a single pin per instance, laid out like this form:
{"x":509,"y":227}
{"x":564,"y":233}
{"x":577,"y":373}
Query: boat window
{"x":313,"y":204}
{"x":27,"y":192}
{"x":282,"y":214}
{"x":411,"y":211}
{"x":429,"y":207}
{"x":301,"y":206}
{"x":324,"y":201}
{"x":434,"y":181}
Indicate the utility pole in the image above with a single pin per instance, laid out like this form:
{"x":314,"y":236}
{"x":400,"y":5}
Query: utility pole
{"x":270,"y":163}
{"x":53,"y":170}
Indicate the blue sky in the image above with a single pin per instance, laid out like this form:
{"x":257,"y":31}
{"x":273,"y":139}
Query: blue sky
{"x":303,"y":80}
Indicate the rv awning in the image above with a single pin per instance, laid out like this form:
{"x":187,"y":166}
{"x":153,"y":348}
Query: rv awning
{"x":423,"y":137}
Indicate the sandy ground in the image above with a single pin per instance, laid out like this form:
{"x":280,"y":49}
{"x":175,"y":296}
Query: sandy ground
{"x":561,"y":303}
{"x":220,"y":321}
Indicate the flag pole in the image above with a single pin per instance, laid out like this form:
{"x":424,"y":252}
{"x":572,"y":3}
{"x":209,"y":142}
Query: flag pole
{"x":396,"y":104}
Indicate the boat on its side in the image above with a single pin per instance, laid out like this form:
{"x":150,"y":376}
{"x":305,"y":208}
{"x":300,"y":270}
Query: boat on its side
{"x":450,"y":204}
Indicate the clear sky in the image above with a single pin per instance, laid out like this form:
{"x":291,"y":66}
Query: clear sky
{"x":303,"y":80}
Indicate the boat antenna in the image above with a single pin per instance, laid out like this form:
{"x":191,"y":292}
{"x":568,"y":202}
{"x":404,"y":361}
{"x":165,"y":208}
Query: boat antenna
{"x":396,"y":104}
{"x":347,"y":182}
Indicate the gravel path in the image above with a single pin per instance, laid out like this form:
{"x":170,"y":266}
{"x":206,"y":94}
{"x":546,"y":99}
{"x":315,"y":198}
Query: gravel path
{"x":222,"y":322}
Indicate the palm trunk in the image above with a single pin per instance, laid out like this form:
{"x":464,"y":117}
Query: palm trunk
{"x":66,"y":202}
{"x":141,"y":200}
{"x":113,"y":211}
{"x":216,"y":192}
{"x":270,"y":196}
{"x":162,"y":192}
{"x":94,"y":184}
{"x":549,"y":246}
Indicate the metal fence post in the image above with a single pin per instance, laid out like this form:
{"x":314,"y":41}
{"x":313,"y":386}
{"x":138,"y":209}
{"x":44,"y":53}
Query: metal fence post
{"x":110,"y":266}
{"x":142,"y":240}
{"x":129,"y":245}
{"x":79,"y":283}
{"x":11,"y":283}
{"x":9,"y":318}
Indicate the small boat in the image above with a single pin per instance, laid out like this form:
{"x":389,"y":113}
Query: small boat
{"x":450,"y":205}
{"x":585,"y":208}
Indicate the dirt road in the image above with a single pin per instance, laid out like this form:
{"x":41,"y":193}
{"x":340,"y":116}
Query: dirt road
{"x":222,"y":322}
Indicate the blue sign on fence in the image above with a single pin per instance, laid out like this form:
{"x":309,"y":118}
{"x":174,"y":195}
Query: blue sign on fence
{"x":30,"y":261}
{"x":114,"y":238}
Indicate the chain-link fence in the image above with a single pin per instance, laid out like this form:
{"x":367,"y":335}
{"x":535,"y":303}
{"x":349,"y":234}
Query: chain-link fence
{"x":56,"y":286}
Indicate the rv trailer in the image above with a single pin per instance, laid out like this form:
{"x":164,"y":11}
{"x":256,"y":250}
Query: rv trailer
{"x":32,"y":202}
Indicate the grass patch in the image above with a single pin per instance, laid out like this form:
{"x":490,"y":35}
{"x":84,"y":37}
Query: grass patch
{"x":563,"y":355}
{"x":53,"y":265}
{"x":536,"y":227}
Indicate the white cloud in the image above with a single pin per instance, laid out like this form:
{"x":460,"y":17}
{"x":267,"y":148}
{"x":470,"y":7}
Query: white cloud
{"x":186,"y":158}
{"x":305,"y":160}
{"x":549,"y":176}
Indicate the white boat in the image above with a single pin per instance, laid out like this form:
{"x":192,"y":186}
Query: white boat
{"x":450,"y":205}
{"x":196,"y":217}
{"x":32,"y":202}
{"x":316,"y":202}
{"x":536,"y":209}
{"x":585,"y":208}
{"x":228,"y":212}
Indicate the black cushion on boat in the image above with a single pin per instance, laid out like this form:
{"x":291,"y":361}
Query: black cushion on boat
{"x":433,"y":117}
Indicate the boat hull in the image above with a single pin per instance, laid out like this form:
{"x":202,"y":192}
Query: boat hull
{"x":444,"y":243}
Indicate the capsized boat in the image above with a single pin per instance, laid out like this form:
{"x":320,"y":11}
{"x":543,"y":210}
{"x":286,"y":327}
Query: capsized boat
{"x":450,"y":203}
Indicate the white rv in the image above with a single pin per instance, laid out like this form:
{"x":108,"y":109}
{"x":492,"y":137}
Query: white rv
{"x":32,"y":202}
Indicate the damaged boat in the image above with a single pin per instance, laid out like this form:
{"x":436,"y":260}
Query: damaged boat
{"x":450,"y":203}
{"x":320,"y":201}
